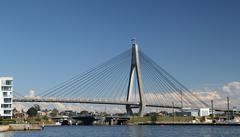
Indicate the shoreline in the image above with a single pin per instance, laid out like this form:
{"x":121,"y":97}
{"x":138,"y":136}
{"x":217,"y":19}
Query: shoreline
{"x":171,"y":124}
{"x":20,"y":127}
{"x":37,"y":127}
{"x":193,"y":124}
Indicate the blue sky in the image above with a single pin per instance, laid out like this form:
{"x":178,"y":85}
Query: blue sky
{"x":44,"y":42}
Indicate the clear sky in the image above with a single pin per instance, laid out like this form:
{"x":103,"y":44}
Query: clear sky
{"x":44,"y":42}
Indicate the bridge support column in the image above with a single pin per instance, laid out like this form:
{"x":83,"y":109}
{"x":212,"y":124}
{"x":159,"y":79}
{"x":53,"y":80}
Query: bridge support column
{"x":135,"y":67}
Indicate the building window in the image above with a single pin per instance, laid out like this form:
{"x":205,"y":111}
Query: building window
{"x":7,"y":112}
{"x":6,"y":88}
{"x":6,"y":106}
{"x":8,"y":82}
{"x":5,"y":94}
{"x":7,"y":100}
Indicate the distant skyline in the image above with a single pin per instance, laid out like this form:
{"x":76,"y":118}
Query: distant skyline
{"x":45,"y":42}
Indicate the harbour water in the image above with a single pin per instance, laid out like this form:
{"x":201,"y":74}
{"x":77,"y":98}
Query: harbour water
{"x":130,"y":131}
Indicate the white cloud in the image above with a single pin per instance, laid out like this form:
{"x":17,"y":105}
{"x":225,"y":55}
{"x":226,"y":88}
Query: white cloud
{"x":207,"y":95}
{"x":219,"y":95}
{"x":233,"y":86}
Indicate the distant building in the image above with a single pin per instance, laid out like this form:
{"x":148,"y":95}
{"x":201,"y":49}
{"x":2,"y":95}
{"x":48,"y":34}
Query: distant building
{"x":193,"y":112}
{"x":204,"y":112}
{"x":69,"y":113}
{"x":6,"y":96}
{"x":188,"y":112}
{"x":231,"y":113}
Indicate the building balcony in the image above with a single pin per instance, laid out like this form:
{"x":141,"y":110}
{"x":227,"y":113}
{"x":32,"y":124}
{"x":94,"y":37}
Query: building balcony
{"x":7,"y":96}
{"x":7,"y":115}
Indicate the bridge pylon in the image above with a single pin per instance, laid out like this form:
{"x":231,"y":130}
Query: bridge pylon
{"x":135,"y":68}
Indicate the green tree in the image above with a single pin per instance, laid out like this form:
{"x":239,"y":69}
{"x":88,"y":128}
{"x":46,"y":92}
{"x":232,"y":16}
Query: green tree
{"x":84,"y":112}
{"x":154,"y":118}
{"x":37,"y":107}
{"x":54,"y":112}
{"x":32,"y":112}
{"x":45,"y":117}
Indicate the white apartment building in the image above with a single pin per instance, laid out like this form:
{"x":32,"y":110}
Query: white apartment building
{"x":6,"y":97}
{"x":204,"y":112}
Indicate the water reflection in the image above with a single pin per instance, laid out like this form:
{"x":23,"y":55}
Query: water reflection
{"x":5,"y":134}
{"x":136,"y":131}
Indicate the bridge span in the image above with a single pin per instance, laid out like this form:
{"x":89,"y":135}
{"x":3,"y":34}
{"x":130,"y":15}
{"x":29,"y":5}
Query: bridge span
{"x":133,"y":104}
{"x":132,"y":77}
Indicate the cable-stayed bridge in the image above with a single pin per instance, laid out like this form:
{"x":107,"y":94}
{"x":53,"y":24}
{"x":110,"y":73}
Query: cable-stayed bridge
{"x":131,"y":79}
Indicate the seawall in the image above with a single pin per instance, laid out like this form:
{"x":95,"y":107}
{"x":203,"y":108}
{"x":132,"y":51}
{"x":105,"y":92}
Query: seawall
{"x":4,"y":128}
{"x":20,"y":127}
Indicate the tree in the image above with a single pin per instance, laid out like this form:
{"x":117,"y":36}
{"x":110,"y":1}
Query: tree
{"x":45,"y":117}
{"x":37,"y":107}
{"x":154,"y":118}
{"x":54,"y":112}
{"x":84,"y":112}
{"x":14,"y":111}
{"x":32,"y":112}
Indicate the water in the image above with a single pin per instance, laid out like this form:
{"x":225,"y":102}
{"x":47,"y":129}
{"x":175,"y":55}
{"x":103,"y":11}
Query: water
{"x":130,"y":131}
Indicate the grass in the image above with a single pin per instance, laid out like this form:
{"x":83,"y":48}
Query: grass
{"x":163,"y":119}
{"x":7,"y":121}
{"x":33,"y":120}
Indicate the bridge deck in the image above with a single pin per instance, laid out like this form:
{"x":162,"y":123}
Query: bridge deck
{"x":75,"y":101}
{"x":88,"y":102}
{"x":136,"y":104}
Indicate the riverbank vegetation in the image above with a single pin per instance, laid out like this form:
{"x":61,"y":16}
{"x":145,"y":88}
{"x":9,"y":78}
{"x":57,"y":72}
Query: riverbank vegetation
{"x":7,"y":121}
{"x":163,"y":119}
